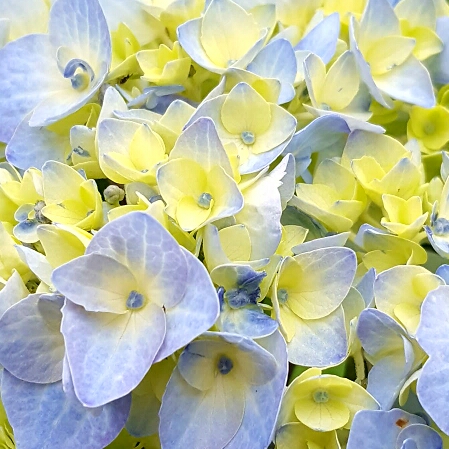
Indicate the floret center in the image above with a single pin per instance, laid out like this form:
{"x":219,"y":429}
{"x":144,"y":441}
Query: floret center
{"x":224,"y":365}
{"x":135,"y":300}
{"x":248,"y":137}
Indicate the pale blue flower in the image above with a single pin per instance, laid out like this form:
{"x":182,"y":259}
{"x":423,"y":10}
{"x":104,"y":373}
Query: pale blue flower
{"x":54,"y":74}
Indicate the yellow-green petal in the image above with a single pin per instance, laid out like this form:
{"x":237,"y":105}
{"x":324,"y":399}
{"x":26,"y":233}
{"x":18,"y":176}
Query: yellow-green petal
{"x":245,"y":110}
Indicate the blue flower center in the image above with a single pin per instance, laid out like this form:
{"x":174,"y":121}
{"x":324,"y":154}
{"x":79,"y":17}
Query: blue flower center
{"x":80,"y":73}
{"x":282,"y":295}
{"x":248,"y":137}
{"x":429,"y":128}
{"x":204,"y":200}
{"x":320,"y":396}
{"x":224,"y":365}
{"x":135,"y":300}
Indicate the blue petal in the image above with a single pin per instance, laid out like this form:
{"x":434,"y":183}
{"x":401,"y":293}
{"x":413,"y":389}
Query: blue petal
{"x":385,"y":340}
{"x":249,"y":321}
{"x":322,"y":40}
{"x":423,"y":437}
{"x":193,"y":418}
{"x":439,"y":244}
{"x":336,"y":240}
{"x":44,"y":417}
{"x":319,"y":343}
{"x":80,"y":25}
{"x":22,"y":212}
{"x":194,"y":314}
{"x":377,"y":330}
{"x":364,"y":68}
{"x":140,"y":242}
{"x":285,"y":172}
{"x":28,"y":72}
{"x":376,"y":429}
{"x":110,"y":354}
{"x":388,"y":375}
{"x":189,"y":38}
{"x":366,"y":286}
{"x":432,"y":335}
{"x":432,"y":390}
{"x":26,"y":231}
{"x":439,"y":64}
{"x":262,"y":160}
{"x":353,"y":122}
{"x":157,"y":97}
{"x":277,"y":60}
{"x":78,"y":30}
{"x":32,"y":346}
{"x":200,"y":142}
{"x":409,"y":82}
{"x":323,"y":134}
{"x":261,"y":216}
{"x":443,"y":272}
{"x":264,"y":401}
{"x":96,"y":282}
{"x":432,"y":331}
{"x":33,"y":146}
{"x":379,"y":20}
{"x":13,"y":291}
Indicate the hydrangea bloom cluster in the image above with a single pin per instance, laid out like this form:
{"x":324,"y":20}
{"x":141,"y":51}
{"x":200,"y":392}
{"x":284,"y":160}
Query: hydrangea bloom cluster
{"x":224,"y":224}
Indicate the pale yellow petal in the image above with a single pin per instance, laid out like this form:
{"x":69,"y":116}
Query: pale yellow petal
{"x":227,"y":32}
